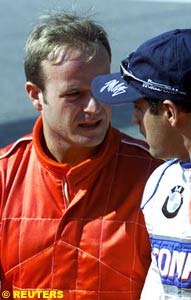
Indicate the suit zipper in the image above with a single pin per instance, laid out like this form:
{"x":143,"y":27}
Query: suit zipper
{"x":65,"y":192}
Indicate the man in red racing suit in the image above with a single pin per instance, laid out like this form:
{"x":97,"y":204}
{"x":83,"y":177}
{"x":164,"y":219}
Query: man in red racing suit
{"x":76,"y":229}
{"x":71,"y":225}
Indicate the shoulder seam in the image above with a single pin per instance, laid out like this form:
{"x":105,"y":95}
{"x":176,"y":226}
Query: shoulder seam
{"x":14,"y":145}
{"x":135,"y":144}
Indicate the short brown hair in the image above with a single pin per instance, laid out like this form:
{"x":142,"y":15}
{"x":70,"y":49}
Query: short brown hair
{"x":58,"y":30}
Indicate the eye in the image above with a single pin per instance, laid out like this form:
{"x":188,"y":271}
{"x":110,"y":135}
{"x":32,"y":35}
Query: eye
{"x":71,"y":95}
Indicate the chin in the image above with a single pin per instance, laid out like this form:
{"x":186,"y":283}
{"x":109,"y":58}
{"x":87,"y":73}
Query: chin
{"x":93,"y":141}
{"x":157,"y":154}
{"x":87,"y":143}
{"x":162,"y":155}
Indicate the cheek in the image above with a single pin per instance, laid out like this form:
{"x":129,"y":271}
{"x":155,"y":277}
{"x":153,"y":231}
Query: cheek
{"x":151,"y":127}
{"x":147,"y":122}
{"x":157,"y":130}
{"x":107,"y":110}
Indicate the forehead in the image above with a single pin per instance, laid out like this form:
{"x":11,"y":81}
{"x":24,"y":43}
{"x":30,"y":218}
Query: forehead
{"x":62,"y":57}
{"x":77,"y":56}
{"x":85,"y":53}
{"x":74,"y":64}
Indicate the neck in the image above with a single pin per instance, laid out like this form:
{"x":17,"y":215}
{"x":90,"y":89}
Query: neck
{"x":71,"y":155}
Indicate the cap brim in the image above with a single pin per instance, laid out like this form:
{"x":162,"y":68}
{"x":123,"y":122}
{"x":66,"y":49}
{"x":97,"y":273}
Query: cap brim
{"x":112,"y":89}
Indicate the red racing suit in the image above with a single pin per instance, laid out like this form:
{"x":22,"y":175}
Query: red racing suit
{"x":78,"y":229}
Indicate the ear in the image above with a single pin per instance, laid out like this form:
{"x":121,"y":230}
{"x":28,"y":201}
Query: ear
{"x":35,"y":95}
{"x":171,"y":112}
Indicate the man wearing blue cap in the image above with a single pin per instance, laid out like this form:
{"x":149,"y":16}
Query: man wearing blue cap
{"x":157,"y":78}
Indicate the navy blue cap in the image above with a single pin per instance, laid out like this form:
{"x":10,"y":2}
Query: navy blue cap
{"x":160,"y":68}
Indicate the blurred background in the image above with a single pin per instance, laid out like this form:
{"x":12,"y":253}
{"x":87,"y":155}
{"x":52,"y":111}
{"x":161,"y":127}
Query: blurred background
{"x":128,"y":23}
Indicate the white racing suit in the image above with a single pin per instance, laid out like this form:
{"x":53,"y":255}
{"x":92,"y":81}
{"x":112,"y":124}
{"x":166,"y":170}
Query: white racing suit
{"x":165,"y":206}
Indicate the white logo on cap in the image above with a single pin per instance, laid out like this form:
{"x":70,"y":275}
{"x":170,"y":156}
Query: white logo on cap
{"x":114,"y":87}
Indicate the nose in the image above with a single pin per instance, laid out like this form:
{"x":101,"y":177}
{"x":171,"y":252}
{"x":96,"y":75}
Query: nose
{"x":92,"y":105}
{"x":135,"y":117}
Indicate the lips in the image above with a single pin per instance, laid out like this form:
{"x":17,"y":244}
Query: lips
{"x":89,"y":125}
